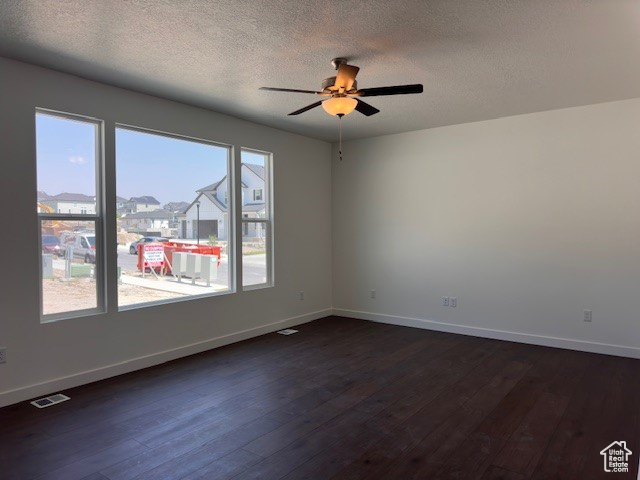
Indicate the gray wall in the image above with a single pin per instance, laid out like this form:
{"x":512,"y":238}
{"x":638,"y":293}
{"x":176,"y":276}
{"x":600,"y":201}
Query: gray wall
{"x":528,"y":220}
{"x":45,"y":357}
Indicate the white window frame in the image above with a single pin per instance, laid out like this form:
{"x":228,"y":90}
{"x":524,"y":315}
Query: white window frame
{"x":267,"y":222}
{"x":97,"y":218}
{"x":255,"y":191}
{"x":231,"y":243}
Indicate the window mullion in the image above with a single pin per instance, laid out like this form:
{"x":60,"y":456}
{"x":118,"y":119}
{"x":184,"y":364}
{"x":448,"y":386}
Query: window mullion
{"x":237,"y":197}
{"x":110,"y":233}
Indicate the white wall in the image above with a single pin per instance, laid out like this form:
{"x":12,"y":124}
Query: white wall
{"x":45,"y":357}
{"x":528,"y":220}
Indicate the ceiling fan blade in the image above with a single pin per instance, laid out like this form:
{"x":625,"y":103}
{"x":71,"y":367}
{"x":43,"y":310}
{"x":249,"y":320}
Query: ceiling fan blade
{"x":365,"y":108}
{"x":308,"y":107}
{"x":346,"y":76}
{"x":395,"y":90}
{"x":274,"y":89}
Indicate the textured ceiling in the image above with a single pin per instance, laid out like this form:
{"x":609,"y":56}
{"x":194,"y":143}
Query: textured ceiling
{"x":478,"y":59}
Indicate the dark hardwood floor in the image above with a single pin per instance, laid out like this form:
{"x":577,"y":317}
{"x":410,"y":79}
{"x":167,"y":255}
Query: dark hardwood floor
{"x":342,"y":399}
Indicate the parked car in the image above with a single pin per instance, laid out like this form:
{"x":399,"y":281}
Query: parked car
{"x":133,"y":249}
{"x":50,"y":244}
{"x":84,"y":245}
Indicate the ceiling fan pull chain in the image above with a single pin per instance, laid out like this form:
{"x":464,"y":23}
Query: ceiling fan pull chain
{"x":340,"y":146}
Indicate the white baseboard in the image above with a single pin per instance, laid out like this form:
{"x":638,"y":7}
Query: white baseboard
{"x":570,"y":344}
{"x":45,"y":388}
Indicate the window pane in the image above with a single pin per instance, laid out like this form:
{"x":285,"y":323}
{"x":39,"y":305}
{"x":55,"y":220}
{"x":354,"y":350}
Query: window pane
{"x":68,"y":266}
{"x":67,"y":154}
{"x":254,"y":179}
{"x":172,"y":198}
{"x":66,"y":164}
{"x":255,"y":238}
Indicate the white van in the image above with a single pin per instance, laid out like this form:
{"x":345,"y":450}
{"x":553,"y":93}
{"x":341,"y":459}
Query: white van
{"x":83,"y":243}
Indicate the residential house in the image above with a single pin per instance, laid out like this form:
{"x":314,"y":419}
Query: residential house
{"x":175,"y":206}
{"x":146,"y":203}
{"x":147,"y":223}
{"x":210,"y":207}
{"x":70,"y":203}
{"x":120,"y":204}
{"x":177,"y":210}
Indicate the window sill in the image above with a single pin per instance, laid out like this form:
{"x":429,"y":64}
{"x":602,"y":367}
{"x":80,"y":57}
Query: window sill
{"x":56,"y":317}
{"x":155,"y":303}
{"x":258,"y":286}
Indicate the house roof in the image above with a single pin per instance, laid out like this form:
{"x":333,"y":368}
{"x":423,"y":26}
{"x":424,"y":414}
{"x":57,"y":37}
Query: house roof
{"x":209,"y":190}
{"x":176,"y":206}
{"x":257,"y":169}
{"x":147,"y":199}
{"x":43,"y":195}
{"x":214,"y":186}
{"x":215,"y":201}
{"x":72,"y":197}
{"x":154,"y":215}
{"x":120,"y":199}
{"x":212,"y":198}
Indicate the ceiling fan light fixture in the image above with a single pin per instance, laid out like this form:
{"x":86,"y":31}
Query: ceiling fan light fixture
{"x":339,"y":105}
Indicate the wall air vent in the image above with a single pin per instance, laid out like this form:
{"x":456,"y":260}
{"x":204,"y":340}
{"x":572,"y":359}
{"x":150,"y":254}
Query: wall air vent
{"x":50,"y":400}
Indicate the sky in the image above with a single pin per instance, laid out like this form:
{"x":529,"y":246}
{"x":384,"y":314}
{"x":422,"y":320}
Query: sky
{"x":167,"y":168}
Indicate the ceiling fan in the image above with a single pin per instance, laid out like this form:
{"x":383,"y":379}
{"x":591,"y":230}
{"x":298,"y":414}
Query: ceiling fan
{"x":343,"y":96}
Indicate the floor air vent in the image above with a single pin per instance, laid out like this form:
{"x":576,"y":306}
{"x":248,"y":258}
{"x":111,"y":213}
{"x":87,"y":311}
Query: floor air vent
{"x":50,"y":400}
{"x":288,"y":331}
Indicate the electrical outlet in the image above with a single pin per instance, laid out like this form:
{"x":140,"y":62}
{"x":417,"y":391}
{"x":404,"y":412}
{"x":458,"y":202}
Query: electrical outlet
{"x":3,"y":355}
{"x":301,"y":295}
{"x":445,"y":301}
{"x":588,"y":315}
{"x":372,"y":294}
{"x":453,"y":301}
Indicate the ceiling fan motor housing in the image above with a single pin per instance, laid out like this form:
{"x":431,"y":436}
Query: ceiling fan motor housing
{"x":328,"y":85}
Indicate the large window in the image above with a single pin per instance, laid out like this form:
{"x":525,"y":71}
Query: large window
{"x":174,"y":235}
{"x":175,"y":217}
{"x":257,"y":221}
{"x":69,"y":159}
